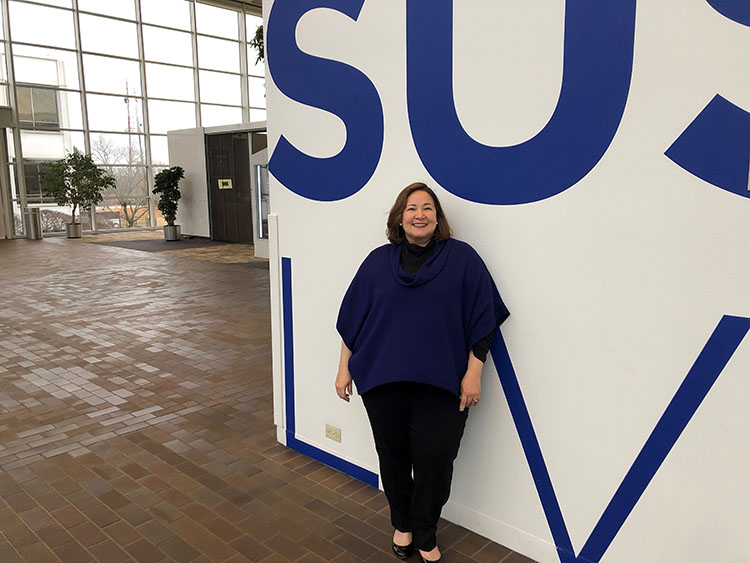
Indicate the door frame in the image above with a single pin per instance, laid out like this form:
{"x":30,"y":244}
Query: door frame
{"x":260,"y":244}
{"x":252,"y":127}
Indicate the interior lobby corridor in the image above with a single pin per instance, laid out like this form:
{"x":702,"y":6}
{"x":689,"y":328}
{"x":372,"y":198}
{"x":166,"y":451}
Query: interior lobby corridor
{"x":136,"y":420}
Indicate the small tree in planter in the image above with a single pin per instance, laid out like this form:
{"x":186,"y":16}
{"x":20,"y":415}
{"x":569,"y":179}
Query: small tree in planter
{"x":76,"y":181}
{"x":166,"y":187}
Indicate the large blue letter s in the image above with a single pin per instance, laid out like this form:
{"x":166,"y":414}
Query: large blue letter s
{"x":597,"y":66}
{"x":716,"y":145}
{"x":331,"y":86}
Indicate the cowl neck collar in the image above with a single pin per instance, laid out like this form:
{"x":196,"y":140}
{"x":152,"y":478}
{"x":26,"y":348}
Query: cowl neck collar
{"x":416,"y":250}
{"x":429,"y":269}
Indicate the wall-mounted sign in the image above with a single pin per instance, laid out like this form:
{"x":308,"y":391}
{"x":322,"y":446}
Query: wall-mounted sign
{"x":225,"y":183}
{"x":625,"y":404}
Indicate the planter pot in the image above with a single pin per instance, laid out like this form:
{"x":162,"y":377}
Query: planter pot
{"x":171,"y":232}
{"x":73,"y":230}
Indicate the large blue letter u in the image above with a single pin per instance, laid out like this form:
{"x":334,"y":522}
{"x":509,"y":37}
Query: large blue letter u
{"x":597,"y":66}
{"x":331,"y":86}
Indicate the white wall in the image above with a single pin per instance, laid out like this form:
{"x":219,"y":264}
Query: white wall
{"x":187,"y":149}
{"x":614,"y":285}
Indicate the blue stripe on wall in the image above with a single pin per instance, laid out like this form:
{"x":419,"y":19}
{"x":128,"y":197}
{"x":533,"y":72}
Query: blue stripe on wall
{"x":711,"y":361}
{"x":291,"y":438}
{"x":286,"y":298}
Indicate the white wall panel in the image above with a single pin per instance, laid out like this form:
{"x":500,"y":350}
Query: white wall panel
{"x":615,"y":285}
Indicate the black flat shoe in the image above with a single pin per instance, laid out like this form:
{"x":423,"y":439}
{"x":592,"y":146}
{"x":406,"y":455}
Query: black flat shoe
{"x":402,"y":551}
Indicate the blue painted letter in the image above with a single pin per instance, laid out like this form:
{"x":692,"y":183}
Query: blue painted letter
{"x":715,"y":355}
{"x":716,"y":146}
{"x":597,"y":66}
{"x":735,"y":10}
{"x":331,"y":86}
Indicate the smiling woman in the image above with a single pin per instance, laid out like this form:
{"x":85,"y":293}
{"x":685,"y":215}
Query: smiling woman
{"x":419,"y":218}
{"x":417,"y":413}
{"x":417,"y":214}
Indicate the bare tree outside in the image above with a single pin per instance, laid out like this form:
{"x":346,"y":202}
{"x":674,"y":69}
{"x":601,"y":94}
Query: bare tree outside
{"x":129,"y":197}
{"x":54,"y":221}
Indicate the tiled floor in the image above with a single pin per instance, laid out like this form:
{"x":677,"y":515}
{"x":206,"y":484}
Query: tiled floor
{"x":226,"y":253}
{"x":136,"y":424}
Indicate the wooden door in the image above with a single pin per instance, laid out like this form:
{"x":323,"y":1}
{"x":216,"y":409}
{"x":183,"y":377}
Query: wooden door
{"x":229,"y":190}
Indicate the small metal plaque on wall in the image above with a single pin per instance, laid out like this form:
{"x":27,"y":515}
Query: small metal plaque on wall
{"x":225,"y":183}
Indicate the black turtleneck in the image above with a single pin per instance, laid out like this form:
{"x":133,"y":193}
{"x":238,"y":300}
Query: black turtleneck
{"x":412,"y":258}
{"x":413,"y":255}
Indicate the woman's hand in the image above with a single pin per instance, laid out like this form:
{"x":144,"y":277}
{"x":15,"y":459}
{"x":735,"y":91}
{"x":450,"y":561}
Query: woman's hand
{"x":344,"y":384}
{"x":343,"y":377}
{"x":471,"y":384}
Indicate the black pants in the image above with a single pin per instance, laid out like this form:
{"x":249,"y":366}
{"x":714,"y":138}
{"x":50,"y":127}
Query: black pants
{"x":417,"y":427}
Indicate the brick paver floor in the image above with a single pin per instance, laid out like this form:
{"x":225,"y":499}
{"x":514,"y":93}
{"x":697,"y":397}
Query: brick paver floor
{"x":136,"y":422}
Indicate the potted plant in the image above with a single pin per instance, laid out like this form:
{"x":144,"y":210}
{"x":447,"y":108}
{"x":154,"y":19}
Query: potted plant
{"x":76,"y":181}
{"x":166,"y":187}
{"x":257,"y":43}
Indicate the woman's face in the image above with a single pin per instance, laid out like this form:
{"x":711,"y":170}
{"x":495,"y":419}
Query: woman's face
{"x":420,"y":218}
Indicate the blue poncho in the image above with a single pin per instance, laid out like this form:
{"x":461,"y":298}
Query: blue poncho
{"x":420,"y":327}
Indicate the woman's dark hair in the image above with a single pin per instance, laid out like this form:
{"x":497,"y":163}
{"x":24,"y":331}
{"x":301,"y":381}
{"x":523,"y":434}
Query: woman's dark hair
{"x":395,"y":232}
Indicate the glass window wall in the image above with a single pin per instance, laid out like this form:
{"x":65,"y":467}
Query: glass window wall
{"x":42,"y":65}
{"x":220,"y":88}
{"x":254,"y":66}
{"x":62,"y":3}
{"x":100,"y":108}
{"x":112,"y":148}
{"x":30,"y":23}
{"x":114,"y":113}
{"x":159,"y":151}
{"x":45,"y":145}
{"x":218,"y":54}
{"x":167,"y":116}
{"x":167,"y":13}
{"x":257,"y":114}
{"x":108,"y":36}
{"x":118,"y":8}
{"x":112,"y":76}
{"x":167,"y":46}
{"x":17,"y":219}
{"x":256,"y":88}
{"x":219,"y":115}
{"x":171,"y":82}
{"x":213,"y":20}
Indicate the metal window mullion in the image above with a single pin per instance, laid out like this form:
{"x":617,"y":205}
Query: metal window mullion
{"x":81,"y":79}
{"x":84,"y":104}
{"x":244,"y":90}
{"x":196,"y":76}
{"x":146,"y":124}
{"x":13,"y":97}
{"x":6,"y":206}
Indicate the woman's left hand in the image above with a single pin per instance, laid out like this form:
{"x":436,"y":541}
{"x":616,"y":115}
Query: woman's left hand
{"x":471,"y":386}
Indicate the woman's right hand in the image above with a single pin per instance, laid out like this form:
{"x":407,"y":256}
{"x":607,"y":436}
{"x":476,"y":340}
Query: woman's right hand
{"x":343,"y":377}
{"x":344,"y":384}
